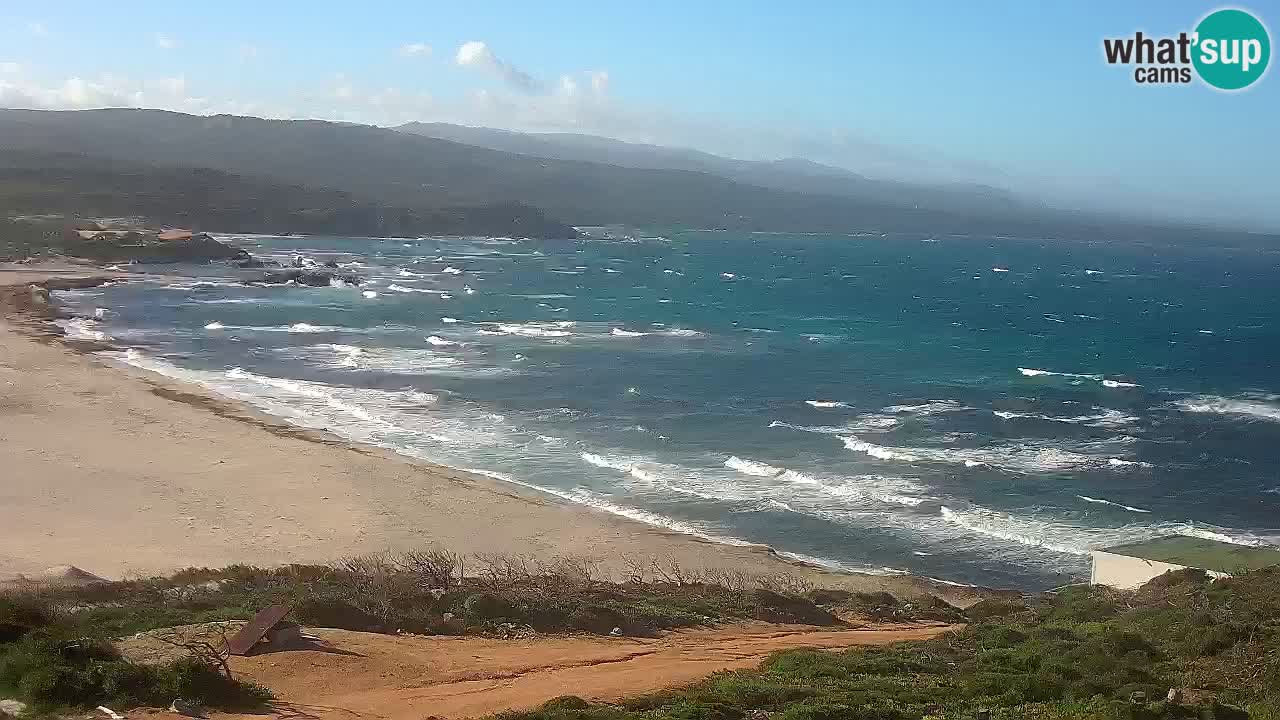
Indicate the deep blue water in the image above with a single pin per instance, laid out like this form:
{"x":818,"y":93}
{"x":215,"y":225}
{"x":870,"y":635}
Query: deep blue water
{"x":977,"y":410}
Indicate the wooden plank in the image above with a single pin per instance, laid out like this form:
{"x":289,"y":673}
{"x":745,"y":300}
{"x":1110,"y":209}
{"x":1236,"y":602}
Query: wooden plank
{"x":257,"y":628}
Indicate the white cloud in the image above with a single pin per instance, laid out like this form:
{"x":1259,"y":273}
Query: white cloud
{"x":568,"y":86}
{"x":475,"y":54}
{"x":599,"y":81}
{"x":10,"y":68}
{"x":164,"y":42}
{"x":414,"y":49}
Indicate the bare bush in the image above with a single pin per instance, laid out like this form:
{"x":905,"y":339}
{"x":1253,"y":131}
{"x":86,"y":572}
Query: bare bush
{"x":212,"y":652}
{"x":784,"y":582}
{"x":436,"y":569}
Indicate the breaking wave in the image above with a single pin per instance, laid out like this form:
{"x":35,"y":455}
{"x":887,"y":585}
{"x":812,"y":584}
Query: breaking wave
{"x":1026,"y":458}
{"x":751,"y":467}
{"x":1245,"y":408}
{"x":1101,"y":501}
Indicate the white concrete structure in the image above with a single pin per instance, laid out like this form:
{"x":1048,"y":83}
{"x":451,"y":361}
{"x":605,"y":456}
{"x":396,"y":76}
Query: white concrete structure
{"x":1127,"y":572}
{"x":1134,"y":564}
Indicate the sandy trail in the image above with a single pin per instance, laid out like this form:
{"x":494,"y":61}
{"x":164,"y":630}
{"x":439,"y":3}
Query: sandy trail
{"x":410,"y":677}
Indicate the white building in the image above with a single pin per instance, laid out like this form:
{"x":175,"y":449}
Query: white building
{"x":1133,"y":564}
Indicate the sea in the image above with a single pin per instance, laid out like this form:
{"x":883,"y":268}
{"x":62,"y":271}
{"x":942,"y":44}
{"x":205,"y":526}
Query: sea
{"x":978,"y":410}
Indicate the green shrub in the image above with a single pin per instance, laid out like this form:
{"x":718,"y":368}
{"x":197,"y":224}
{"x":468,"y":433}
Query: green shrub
{"x":20,"y":614}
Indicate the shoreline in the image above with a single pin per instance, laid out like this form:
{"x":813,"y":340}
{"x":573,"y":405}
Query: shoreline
{"x":467,"y":511}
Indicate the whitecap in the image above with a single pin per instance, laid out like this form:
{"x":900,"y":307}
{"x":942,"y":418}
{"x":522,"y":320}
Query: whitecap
{"x":826,"y":403}
{"x":728,"y":275}
{"x":370,"y":294}
{"x":439,"y":341}
{"x":451,"y":271}
{"x":215,"y":325}
{"x":999,"y":270}
{"x":932,"y":407}
{"x":1246,"y":408}
{"x":1102,"y":501}
{"x":1119,"y":384}
{"x":531,"y":330}
{"x":448,"y":320}
{"x":751,"y":467}
{"x":618,"y":332}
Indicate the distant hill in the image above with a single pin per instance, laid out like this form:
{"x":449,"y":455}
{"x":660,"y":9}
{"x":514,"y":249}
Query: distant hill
{"x":454,"y":185}
{"x":791,"y":174}
{"x":74,"y":185}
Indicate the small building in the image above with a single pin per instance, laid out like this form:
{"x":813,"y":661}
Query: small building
{"x":1131,"y":565}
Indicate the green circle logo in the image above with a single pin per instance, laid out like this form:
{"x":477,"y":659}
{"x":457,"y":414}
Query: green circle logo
{"x":1232,"y":49}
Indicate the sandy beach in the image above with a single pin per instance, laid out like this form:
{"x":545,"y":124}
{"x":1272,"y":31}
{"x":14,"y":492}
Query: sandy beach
{"x":125,"y":473}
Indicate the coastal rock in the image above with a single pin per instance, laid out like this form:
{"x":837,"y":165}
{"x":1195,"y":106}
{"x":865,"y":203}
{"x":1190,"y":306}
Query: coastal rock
{"x":146,"y":246}
{"x":12,"y":708}
{"x":310,"y":278}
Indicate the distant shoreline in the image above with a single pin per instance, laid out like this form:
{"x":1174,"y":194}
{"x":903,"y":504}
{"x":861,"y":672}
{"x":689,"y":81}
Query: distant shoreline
{"x":124,"y":472}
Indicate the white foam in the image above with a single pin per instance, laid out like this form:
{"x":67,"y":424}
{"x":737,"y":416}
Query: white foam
{"x":1018,"y":530}
{"x":751,"y":467}
{"x":826,"y":403}
{"x":369,"y":294}
{"x":439,"y":341}
{"x":999,"y":270}
{"x":932,"y":407}
{"x":81,"y":329}
{"x":1029,"y":457}
{"x":1102,"y":501}
{"x":683,"y":332}
{"x":1118,"y":384}
{"x":1033,"y":372}
{"x":309,"y":328}
{"x":387,"y":359}
{"x":618,"y":332}
{"x":215,"y":325}
{"x":1246,"y":408}
{"x":537,"y":330}
{"x":448,"y":320}
{"x":1106,"y":418}
{"x":728,"y":275}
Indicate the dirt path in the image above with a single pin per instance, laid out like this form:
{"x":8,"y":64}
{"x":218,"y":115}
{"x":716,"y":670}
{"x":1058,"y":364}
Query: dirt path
{"x":408,"y":677}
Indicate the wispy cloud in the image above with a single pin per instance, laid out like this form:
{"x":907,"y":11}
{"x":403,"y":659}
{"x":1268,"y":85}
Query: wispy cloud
{"x":164,"y":42}
{"x":414,"y":49}
{"x":10,"y":68}
{"x":475,"y":54}
{"x":37,"y":28}
{"x":248,"y":52}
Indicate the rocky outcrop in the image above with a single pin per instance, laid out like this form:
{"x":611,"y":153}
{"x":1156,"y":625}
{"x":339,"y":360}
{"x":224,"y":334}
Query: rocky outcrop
{"x":147,"y":246}
{"x":310,"y":278}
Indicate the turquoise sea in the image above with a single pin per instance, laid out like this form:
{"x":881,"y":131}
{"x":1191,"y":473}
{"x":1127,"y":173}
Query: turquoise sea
{"x":978,"y":410}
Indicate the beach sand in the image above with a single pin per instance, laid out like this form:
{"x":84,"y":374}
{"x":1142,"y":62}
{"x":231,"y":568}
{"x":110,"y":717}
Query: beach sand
{"x":126,"y":473}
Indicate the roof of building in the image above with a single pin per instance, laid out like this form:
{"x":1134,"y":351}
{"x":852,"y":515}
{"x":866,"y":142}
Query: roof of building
{"x":1200,"y":553}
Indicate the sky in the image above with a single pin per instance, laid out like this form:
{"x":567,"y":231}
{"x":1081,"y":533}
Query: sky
{"x":1011,"y":94}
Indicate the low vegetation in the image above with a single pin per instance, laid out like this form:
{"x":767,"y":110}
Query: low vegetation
{"x":1081,"y":653}
{"x":55,"y":645}
{"x":1084,"y":653}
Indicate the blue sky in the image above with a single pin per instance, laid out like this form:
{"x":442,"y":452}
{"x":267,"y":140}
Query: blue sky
{"x":1013,"y":94}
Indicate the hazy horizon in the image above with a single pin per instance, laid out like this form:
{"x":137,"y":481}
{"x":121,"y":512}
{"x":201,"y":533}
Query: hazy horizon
{"x":924,"y":93}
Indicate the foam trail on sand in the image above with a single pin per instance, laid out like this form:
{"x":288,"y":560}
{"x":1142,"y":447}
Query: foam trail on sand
{"x":582,"y":496}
